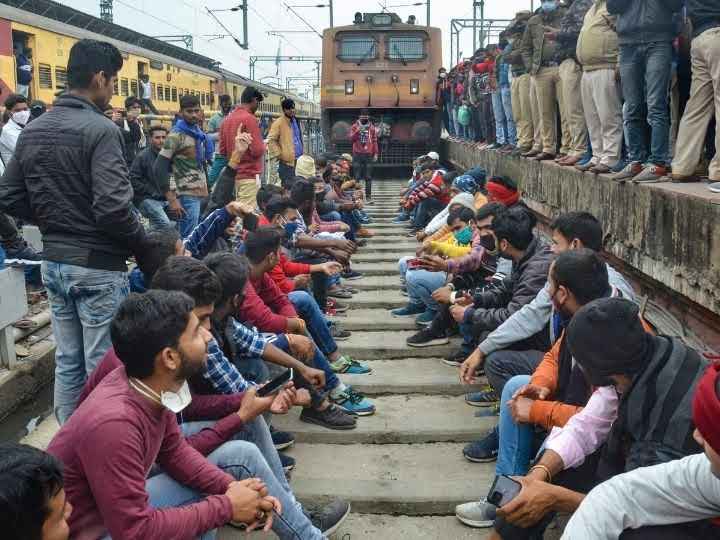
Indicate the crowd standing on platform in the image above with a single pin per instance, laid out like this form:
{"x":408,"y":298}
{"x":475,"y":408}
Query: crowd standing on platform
{"x":165,"y":427}
{"x":627,"y":88}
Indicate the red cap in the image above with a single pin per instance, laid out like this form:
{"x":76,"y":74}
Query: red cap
{"x":706,"y":407}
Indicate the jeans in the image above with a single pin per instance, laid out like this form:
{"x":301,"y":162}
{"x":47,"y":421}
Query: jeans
{"x":505,"y":132}
{"x":645,"y":76}
{"x":446,"y":118}
{"x":501,"y":366}
{"x":421,"y":284}
{"x":240,"y":459}
{"x":317,"y":325}
{"x":218,"y":164}
{"x":285,"y":172}
{"x":154,"y":210}
{"x":320,"y":280}
{"x":83,"y":302}
{"x":187,"y":223}
{"x":516,"y":440}
{"x":425,"y":211}
{"x":362,"y":168}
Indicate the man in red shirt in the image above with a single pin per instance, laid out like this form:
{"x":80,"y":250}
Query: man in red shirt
{"x":128,"y":423}
{"x":247,"y":179}
{"x":364,"y":137}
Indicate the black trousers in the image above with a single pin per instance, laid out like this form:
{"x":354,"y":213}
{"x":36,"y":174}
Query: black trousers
{"x":362,"y":170}
{"x":425,"y":211}
{"x":320,"y":282}
{"x":286,"y":173}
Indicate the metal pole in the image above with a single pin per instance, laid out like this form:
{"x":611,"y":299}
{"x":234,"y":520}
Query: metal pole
{"x":482,"y":21}
{"x":474,"y":27}
{"x":427,"y":4}
{"x":330,"y":5}
{"x":245,"y":25}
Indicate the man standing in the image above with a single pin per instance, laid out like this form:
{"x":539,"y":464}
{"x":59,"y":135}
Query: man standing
{"x":83,"y":210}
{"x":520,"y":86}
{"x":24,"y":70}
{"x":505,"y":132}
{"x":539,"y":46}
{"x":16,"y":105}
{"x":285,"y":141}
{"x":186,"y":152}
{"x":146,"y":93}
{"x":247,"y":179}
{"x":131,"y":128}
{"x":364,"y":137}
{"x":646,"y":29}
{"x":213,"y":133}
{"x":149,"y":198}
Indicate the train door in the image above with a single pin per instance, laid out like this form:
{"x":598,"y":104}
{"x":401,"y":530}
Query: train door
{"x":25,"y":66}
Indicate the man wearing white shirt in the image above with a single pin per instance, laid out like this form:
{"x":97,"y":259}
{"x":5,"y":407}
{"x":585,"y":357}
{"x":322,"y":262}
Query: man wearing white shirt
{"x":17,"y":107}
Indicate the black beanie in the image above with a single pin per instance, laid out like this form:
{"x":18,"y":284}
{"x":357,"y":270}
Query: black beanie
{"x":607,"y":338}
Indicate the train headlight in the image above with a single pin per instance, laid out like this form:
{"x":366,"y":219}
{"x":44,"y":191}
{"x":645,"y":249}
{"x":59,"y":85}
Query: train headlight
{"x":414,"y":86}
{"x":349,"y":87}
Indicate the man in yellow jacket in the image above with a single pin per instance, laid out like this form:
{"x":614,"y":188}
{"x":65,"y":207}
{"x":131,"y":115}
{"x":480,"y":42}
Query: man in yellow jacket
{"x":285,"y":141}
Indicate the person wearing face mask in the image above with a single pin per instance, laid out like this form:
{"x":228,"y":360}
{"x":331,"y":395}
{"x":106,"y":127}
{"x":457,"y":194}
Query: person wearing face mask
{"x":129,"y":422}
{"x":533,"y":403}
{"x":17,"y":106}
{"x":639,"y":415}
{"x":364,"y":137}
{"x":670,"y":500}
{"x":539,"y":45}
{"x":285,"y":141}
{"x":90,"y":228}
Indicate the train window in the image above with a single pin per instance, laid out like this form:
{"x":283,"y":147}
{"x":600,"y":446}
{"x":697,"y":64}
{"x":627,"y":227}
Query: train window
{"x":404,"y":48}
{"x":45,"y":76}
{"x":133,"y":87}
{"x":116,"y":87}
{"x":160,"y":92}
{"x":167,"y":94}
{"x":357,"y":48}
{"x":212,"y":98}
{"x":124,"y":87}
{"x":60,"y":78}
{"x":174,"y":94}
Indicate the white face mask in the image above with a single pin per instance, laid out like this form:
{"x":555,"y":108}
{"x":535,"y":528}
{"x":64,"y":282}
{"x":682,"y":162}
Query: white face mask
{"x":173,"y":401}
{"x":21,"y":117}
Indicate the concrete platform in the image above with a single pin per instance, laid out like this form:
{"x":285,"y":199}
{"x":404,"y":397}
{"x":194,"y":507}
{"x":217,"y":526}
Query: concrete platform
{"x":384,"y":299}
{"x":399,"y":419}
{"x":390,"y":478}
{"x":390,"y":242}
{"x":376,"y":283}
{"x":429,"y":376}
{"x":391,"y":345}
{"x":376,"y":269}
{"x":373,"y":320}
{"x":380,"y":256}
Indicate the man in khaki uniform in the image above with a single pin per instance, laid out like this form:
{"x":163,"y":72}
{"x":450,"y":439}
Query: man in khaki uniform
{"x":520,"y":86}
{"x":285,"y":141}
{"x":539,"y":46}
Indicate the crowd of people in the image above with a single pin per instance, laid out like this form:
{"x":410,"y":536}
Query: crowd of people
{"x":165,"y":429}
{"x":161,"y":372}
{"x":625,"y":88}
{"x":597,"y":414}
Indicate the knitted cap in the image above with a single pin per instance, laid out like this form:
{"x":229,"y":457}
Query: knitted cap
{"x":706,"y":407}
{"x":305,"y":166}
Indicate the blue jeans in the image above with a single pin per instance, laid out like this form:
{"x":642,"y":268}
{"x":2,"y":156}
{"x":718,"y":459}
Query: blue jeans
{"x":154,"y":210}
{"x":317,"y":324}
{"x":645,"y":75}
{"x":187,"y":223}
{"x":516,"y":440}
{"x":83,"y":302}
{"x":504,"y":115}
{"x":421,"y":284}
{"x":240,"y":459}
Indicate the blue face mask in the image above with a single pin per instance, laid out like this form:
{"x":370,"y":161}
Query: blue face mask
{"x":464,"y":236}
{"x":549,"y":7}
{"x":290,"y":229}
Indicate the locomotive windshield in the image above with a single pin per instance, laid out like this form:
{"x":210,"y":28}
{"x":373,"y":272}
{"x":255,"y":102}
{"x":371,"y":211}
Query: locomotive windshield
{"x":355,"y":48}
{"x":404,"y":48}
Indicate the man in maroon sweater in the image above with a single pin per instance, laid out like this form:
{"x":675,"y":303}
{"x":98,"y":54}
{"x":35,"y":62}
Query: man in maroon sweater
{"x":128,"y":423}
{"x":247,"y":179}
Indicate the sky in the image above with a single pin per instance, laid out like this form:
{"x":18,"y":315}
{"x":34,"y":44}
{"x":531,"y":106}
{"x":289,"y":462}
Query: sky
{"x":172,"y":17}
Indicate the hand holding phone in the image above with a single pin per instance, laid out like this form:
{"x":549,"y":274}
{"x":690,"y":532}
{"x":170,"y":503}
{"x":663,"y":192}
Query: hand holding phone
{"x":503,"y":490}
{"x":276,"y":384}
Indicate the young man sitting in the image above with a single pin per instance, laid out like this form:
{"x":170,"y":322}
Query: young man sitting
{"x":530,"y":406}
{"x":33,"y":504}
{"x":430,"y":199}
{"x":266,"y":306}
{"x":232,"y":270}
{"x":639,"y":415}
{"x":128,"y":423}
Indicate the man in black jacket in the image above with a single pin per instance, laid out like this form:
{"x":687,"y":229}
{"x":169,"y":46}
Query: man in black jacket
{"x":69,"y":176}
{"x":149,"y":198}
{"x":493,"y":305}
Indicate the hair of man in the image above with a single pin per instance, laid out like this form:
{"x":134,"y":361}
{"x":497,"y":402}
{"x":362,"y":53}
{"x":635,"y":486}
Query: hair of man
{"x":583,"y":273}
{"x":581,"y":225}
{"x":190,"y":276}
{"x":89,"y":57}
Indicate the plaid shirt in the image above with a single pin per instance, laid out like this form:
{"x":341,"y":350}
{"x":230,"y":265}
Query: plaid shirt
{"x":220,"y":372}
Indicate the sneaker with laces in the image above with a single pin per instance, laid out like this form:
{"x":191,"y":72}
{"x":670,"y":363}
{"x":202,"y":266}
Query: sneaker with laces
{"x":347,"y":364}
{"x":351,"y":275}
{"x":480,"y":514}
{"x":353,"y":402}
{"x":714,"y":187}
{"x":339,"y":292}
{"x":484,"y":398}
{"x":426,"y":338}
{"x":650,"y":174}
{"x":329,"y":518}
{"x":281,"y":439}
{"x":22,"y":255}
{"x":425,"y":318}
{"x":483,"y":450}
{"x":332,"y":417}
{"x":338,"y":334}
{"x":335,"y":305}
{"x":408,"y":311}
{"x":288,"y":462}
{"x":456,"y":359}
{"x":630,"y":170}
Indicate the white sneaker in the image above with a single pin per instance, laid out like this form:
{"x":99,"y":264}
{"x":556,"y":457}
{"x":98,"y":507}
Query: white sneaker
{"x":714,"y":187}
{"x":480,"y":514}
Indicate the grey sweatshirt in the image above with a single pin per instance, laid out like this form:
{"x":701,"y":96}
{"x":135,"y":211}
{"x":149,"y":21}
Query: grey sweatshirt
{"x":532,"y":317}
{"x":678,"y":491}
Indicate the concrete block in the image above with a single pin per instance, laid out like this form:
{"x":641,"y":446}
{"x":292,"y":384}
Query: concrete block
{"x":428,"y":376}
{"x":371,"y":256}
{"x":399,"y":420}
{"x":373,"y":283}
{"x":390,"y":478}
{"x":390,"y":345}
{"x":373,"y":320}
{"x":29,"y":376}
{"x":13,"y":305}
{"x":387,"y":299}
{"x":376,"y":269}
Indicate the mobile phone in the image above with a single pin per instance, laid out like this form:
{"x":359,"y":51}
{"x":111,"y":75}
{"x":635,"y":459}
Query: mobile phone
{"x":414,"y":263}
{"x":277,"y":383}
{"x":503,"y":490}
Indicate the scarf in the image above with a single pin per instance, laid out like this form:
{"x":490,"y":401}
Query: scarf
{"x":706,"y":407}
{"x":204,"y":147}
{"x":499,"y":193}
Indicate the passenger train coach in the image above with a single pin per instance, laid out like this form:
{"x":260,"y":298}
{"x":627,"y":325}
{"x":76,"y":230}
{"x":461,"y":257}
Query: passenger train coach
{"x":46,"y":30}
{"x":379,"y":63}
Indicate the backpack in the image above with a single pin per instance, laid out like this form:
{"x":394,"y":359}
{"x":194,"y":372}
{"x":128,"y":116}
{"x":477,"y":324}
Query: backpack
{"x":464,"y":115}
